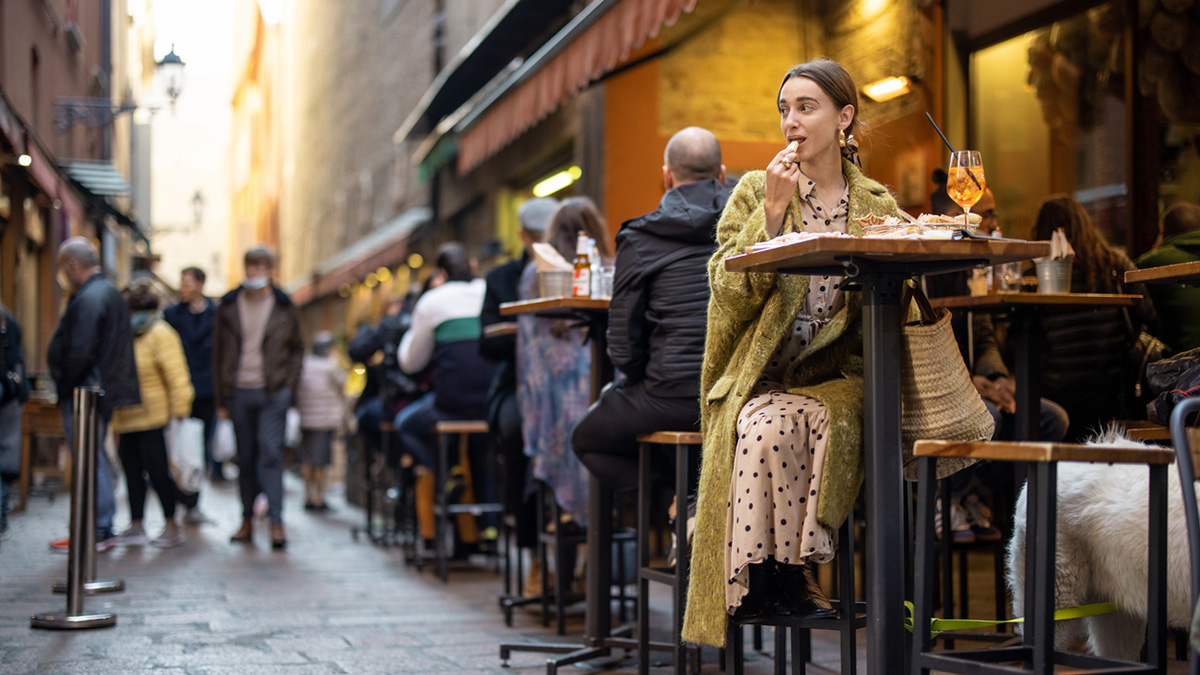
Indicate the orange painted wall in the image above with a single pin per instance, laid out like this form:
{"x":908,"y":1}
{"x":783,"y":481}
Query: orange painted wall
{"x":634,"y":147}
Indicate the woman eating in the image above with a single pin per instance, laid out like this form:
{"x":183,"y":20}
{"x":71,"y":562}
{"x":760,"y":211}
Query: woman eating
{"x":781,"y":389}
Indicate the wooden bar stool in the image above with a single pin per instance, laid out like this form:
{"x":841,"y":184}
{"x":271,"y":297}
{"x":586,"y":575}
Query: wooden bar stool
{"x":677,"y":578}
{"x":446,"y":430}
{"x":1036,"y":653}
{"x":851,"y":617}
{"x":376,"y":486}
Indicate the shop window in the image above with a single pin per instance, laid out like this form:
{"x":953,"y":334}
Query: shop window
{"x":1048,"y":112}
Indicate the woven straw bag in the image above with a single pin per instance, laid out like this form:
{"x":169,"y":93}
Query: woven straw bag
{"x":939,"y":401}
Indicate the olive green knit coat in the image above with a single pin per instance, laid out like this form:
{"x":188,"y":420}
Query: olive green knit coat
{"x":748,"y":315}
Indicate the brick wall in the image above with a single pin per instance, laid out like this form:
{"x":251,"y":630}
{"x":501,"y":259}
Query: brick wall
{"x":358,"y":70}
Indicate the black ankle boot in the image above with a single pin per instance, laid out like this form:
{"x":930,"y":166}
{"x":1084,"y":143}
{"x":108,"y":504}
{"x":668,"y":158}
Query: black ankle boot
{"x":763,"y":599}
{"x":802,"y":595}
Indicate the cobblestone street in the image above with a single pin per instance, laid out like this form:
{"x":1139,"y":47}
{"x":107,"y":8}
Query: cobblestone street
{"x":327,"y":605}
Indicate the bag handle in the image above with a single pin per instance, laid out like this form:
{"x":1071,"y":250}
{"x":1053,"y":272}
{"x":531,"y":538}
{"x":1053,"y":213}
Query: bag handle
{"x":912,"y":291}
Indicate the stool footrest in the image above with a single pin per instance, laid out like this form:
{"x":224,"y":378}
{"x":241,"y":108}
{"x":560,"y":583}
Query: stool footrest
{"x":462,"y":427}
{"x":662,"y":575}
{"x":1024,"y":451}
{"x":472,"y":509}
{"x":989,"y":660}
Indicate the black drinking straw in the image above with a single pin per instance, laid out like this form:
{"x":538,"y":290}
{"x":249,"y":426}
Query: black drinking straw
{"x":952,"y":151}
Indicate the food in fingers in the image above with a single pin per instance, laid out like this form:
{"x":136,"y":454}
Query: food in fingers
{"x":791,"y":148}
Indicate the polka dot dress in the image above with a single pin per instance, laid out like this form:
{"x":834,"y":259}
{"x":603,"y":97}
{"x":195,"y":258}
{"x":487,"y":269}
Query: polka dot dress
{"x":781,"y":442}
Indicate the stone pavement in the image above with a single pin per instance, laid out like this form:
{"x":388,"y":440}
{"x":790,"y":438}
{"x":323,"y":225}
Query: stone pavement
{"x":326,"y":605}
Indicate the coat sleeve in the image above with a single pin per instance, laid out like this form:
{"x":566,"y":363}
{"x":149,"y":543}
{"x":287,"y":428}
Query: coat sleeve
{"x":737,"y":295}
{"x":172,"y":367}
{"x":988,"y":360}
{"x":502,"y":347}
{"x":627,"y":313}
{"x":295,"y":347}
{"x":218,"y":353}
{"x":416,"y":347}
{"x":80,"y":350}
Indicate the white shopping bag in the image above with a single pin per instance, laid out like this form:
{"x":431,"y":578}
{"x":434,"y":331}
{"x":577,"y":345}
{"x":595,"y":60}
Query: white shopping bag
{"x":291,"y":431}
{"x":185,"y":450}
{"x":224,"y":441}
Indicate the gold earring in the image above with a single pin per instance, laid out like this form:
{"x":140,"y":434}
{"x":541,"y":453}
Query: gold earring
{"x":841,"y":138}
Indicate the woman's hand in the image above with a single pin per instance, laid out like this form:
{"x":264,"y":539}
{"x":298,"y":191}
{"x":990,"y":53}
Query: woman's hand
{"x":783,"y":173}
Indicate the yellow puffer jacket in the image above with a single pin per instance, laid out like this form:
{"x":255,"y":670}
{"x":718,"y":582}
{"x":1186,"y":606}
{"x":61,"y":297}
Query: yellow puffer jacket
{"x":163,"y":377}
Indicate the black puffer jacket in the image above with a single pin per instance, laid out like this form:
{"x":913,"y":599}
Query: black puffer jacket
{"x":93,"y":344}
{"x":1082,"y":357}
{"x":659,"y":311}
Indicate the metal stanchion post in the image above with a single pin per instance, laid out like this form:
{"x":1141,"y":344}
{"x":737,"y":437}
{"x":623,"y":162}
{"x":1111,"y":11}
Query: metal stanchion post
{"x":90,"y":584}
{"x":83,"y":496}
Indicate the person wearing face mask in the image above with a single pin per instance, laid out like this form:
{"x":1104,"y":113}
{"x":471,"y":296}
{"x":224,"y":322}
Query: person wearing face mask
{"x":258,"y":350}
{"x":781,"y":383}
{"x":92,"y":346}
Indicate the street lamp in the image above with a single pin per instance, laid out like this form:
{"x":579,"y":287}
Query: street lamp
{"x":171,"y":70}
{"x":100,"y":112}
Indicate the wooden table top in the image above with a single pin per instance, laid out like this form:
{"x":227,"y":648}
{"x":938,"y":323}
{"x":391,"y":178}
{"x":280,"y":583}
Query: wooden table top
{"x":1009,"y":299}
{"x":1026,"y":451}
{"x":1181,"y":273}
{"x":832,"y":251}
{"x":500,"y":329}
{"x":544,"y":304}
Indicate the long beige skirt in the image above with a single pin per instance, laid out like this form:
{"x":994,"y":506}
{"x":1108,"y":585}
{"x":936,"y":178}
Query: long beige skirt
{"x":776,"y":482}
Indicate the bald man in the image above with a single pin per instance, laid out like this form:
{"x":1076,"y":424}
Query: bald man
{"x":93,"y":346}
{"x":658,"y":316}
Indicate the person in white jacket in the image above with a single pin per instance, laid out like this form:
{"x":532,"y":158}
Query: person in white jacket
{"x":321,"y":413}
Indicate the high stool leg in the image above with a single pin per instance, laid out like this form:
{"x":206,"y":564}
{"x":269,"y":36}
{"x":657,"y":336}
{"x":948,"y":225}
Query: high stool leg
{"x":643,"y":559}
{"x":847,"y":601}
{"x":1045,"y":478}
{"x":923,"y":576}
{"x":441,"y":518}
{"x":781,"y":651}
{"x":683,"y":557}
{"x":735,"y":645}
{"x":947,"y":558}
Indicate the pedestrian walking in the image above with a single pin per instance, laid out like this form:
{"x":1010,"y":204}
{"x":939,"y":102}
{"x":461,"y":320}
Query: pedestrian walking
{"x":257,"y":354}
{"x":322,"y":410}
{"x":192,"y":318}
{"x":14,"y":391}
{"x":167,"y":393}
{"x":92,"y":346}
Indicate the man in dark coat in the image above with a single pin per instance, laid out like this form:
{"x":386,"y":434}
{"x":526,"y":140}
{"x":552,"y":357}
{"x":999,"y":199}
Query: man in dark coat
{"x":192,"y":317}
{"x":658,"y":315}
{"x":93,"y":346}
{"x":503,"y":413}
{"x":258,"y":350}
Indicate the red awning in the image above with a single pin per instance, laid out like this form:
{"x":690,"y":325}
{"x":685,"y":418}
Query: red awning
{"x":599,"y":49}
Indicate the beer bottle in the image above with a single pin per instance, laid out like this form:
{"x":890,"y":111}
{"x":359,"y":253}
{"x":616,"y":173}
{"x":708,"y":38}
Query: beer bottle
{"x":581,"y":286}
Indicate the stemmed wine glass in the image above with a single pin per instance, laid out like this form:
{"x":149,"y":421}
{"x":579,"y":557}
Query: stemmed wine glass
{"x":965,"y":183}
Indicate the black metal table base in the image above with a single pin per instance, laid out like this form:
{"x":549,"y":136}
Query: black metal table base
{"x":575,"y":653}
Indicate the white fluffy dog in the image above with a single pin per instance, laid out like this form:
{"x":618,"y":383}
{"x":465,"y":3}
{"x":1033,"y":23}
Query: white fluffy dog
{"x":1101,"y":553}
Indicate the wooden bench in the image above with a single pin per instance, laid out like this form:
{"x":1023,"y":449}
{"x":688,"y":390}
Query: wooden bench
{"x":1037,"y":649}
